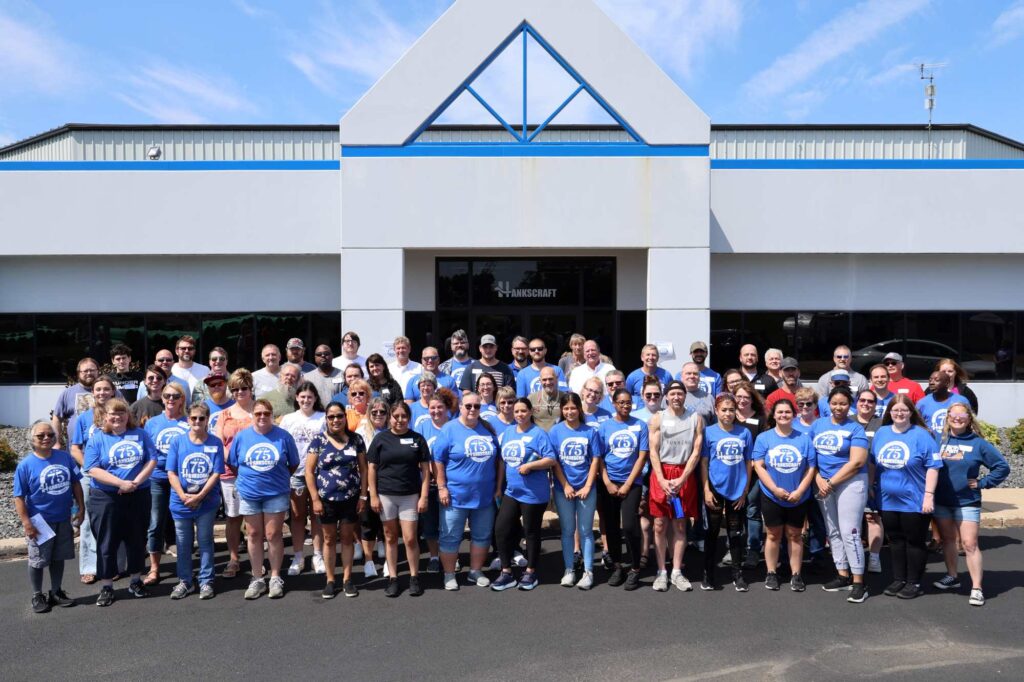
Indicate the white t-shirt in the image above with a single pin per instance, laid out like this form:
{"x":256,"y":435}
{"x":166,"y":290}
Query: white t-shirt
{"x":264,"y":381}
{"x":303,"y":429}
{"x":403,"y":374}
{"x":193,"y":375}
{"x":341,"y":362}
{"x":581,"y":374}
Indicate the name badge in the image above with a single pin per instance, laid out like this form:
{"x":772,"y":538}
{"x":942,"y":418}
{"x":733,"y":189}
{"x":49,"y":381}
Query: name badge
{"x":966,"y":448}
{"x":903,"y":390}
{"x":635,"y":427}
{"x":407,"y":441}
{"x":478,"y":371}
{"x":759,"y":387}
{"x":870,"y":434}
{"x":132,"y":438}
{"x":212,"y":449}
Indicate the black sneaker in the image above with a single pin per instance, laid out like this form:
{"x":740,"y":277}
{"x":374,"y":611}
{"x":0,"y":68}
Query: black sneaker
{"x":796,"y":583}
{"x":577,"y":562}
{"x":137,"y":589}
{"x":392,"y":590}
{"x":708,"y":585}
{"x":740,"y":583}
{"x":894,"y":588}
{"x":632,"y":581}
{"x":606,"y":561}
{"x":617,"y":577}
{"x":948,"y":582}
{"x":61,"y":598}
{"x":40,"y":604}
{"x":838,"y":584}
{"x":349,"y":588}
{"x":415,"y":590}
{"x":909,"y":591}
{"x":771,"y":582}
{"x":328,"y":592}
{"x":106,"y":597}
{"x":858,"y":593}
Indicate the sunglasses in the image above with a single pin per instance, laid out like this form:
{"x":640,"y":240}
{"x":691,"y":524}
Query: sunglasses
{"x":378,"y":413}
{"x":867,"y":401}
{"x":171,"y":396}
{"x":197,"y":419}
{"x":334,"y":417}
{"x":430,"y":358}
{"x":841,"y":357}
{"x":217,"y":384}
{"x":163,"y":361}
{"x":890,"y":362}
{"x":652,"y":396}
{"x":216,"y":359}
{"x":357,"y":393}
{"x":323,"y":354}
{"x":537,"y":350}
{"x":186,"y":347}
{"x":262,"y":414}
{"x":240,"y":389}
{"x":45,"y":436}
{"x":804,"y":403}
{"x":471,"y":406}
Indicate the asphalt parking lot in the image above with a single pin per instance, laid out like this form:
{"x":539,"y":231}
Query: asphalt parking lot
{"x":549,"y":633}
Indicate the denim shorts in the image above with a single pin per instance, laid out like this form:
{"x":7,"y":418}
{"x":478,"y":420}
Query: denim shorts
{"x":969,"y":513}
{"x":453,"y":524}
{"x":277,"y":504}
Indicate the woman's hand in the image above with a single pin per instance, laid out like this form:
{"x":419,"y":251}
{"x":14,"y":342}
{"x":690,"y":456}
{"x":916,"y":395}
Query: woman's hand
{"x":709,"y":499}
{"x":740,"y":503}
{"x":126,"y":487}
{"x":928,"y":506}
{"x":524,"y":469}
{"x":612,"y":489}
{"x":569,"y":492}
{"x":30,"y":530}
{"x":421,"y":505}
{"x":375,"y":504}
{"x":972,"y":483}
{"x":360,"y":506}
{"x":318,"y":507}
{"x":824,"y":486}
{"x":623,"y":490}
{"x":444,"y":497}
{"x":583,"y":493}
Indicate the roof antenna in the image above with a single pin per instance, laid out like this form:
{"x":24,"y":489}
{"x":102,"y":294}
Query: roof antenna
{"x":929,"y":96}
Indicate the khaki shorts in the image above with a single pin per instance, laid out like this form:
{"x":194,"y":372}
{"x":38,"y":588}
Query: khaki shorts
{"x":231,"y":500}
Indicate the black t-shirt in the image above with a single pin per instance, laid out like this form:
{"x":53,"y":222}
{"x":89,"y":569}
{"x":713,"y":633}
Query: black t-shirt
{"x":146,"y":407}
{"x":501,"y":372}
{"x":763,"y":383}
{"x":398,"y":460}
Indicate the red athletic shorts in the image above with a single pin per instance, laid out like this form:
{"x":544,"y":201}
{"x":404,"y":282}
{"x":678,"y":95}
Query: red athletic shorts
{"x":660,"y":506}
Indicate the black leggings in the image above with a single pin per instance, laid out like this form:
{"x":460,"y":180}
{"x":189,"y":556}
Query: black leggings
{"x":508,"y":530}
{"x":734,"y":523}
{"x":117,"y":518}
{"x":622,"y":514}
{"x":371,"y":528}
{"x":908,"y":539}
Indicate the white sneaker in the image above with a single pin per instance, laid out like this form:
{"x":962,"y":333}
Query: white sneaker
{"x":357,"y":553}
{"x":680,"y":581}
{"x":661,"y":582}
{"x":369,"y":570}
{"x":519,"y":560}
{"x":384,"y":570}
{"x":977,"y":598}
{"x":874,"y":563}
{"x":256,"y":588}
{"x":276,"y":588}
{"x":379,"y":549}
{"x":569,"y":578}
{"x":478,"y":578}
{"x":450,"y":582}
{"x":495,"y":564}
{"x":587,"y":581}
{"x":308,"y":542}
{"x":298,"y":563}
{"x":458,"y":565}
{"x":318,"y":564}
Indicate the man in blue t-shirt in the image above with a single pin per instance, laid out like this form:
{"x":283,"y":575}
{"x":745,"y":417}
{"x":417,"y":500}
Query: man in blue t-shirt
{"x":649,"y":357}
{"x":528,"y":378}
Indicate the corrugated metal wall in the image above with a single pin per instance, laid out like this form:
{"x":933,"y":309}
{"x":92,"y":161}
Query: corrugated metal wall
{"x":59,"y":148}
{"x":840,"y":144}
{"x":210,"y":145}
{"x":981,"y":147}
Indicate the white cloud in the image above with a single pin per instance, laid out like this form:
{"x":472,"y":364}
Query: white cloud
{"x":841,"y":35}
{"x":6,"y":138}
{"x":677,"y":33}
{"x":250,"y":10}
{"x":1009,"y":25}
{"x":892,"y":73}
{"x":34,"y":59}
{"x":173,"y":94}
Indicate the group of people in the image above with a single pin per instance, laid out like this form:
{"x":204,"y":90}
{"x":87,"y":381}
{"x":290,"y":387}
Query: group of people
{"x":365,"y":453}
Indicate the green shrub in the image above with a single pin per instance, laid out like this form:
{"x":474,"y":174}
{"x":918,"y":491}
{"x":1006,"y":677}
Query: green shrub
{"x":989,"y":432}
{"x":8,"y":457}
{"x":1016,"y":436}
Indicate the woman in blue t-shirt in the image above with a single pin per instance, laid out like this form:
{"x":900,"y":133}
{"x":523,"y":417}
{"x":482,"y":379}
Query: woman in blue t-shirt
{"x":726,"y":470}
{"x":265,"y":457}
{"x":626,"y":448}
{"x":579,"y":450}
{"x":841,"y":447}
{"x":785,"y":463}
{"x":163,"y":429}
{"x":958,"y":494}
{"x":194,"y":462}
{"x":466,"y":466}
{"x":906,"y":461}
{"x":527,"y":453}
{"x":120,"y":458}
{"x":336,"y":478}
{"x":487,"y":389}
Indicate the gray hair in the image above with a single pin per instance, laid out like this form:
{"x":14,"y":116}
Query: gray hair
{"x":426,"y":377}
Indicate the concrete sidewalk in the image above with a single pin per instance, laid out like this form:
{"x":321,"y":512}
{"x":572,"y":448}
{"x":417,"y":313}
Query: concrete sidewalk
{"x":1001,"y":508}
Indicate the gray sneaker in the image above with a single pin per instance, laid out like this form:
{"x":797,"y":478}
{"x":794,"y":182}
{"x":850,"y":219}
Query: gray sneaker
{"x":257,"y":588}
{"x":661,"y":582}
{"x":276,"y":587}
{"x":206,"y":591}
{"x":181,"y":590}
{"x":478,"y":578}
{"x":586,"y":581}
{"x":681,"y":583}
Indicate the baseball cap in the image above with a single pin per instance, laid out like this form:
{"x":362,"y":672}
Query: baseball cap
{"x":675,"y":383}
{"x":893,"y":356}
{"x":295,"y":343}
{"x":215,"y":376}
{"x":839,"y":376}
{"x":488,"y":339}
{"x":789,"y":363}
{"x":698,"y":345}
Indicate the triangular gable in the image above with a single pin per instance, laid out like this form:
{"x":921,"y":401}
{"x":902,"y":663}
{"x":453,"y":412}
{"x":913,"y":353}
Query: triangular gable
{"x":446,"y":57}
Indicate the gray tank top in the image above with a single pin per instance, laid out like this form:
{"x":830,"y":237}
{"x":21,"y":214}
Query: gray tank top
{"x":677,"y":435}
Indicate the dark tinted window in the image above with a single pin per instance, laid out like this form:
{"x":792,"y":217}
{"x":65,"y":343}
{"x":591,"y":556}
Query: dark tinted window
{"x":930,"y":336}
{"x":61,"y":341}
{"x":632,"y":335}
{"x":599,"y":283}
{"x":278,"y":328}
{"x":17,"y":349}
{"x":819,"y":334}
{"x":764,"y":330}
{"x":988,"y":340}
{"x":234,"y":333}
{"x":531,"y":283}
{"x":419,"y":327}
{"x":325,"y":328}
{"x":109,"y":330}
{"x":726,"y":339}
{"x":452,"y":283}
{"x":163,"y":331}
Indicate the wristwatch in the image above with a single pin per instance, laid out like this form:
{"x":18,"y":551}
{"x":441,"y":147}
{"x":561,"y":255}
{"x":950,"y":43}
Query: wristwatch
{"x":364,"y":497}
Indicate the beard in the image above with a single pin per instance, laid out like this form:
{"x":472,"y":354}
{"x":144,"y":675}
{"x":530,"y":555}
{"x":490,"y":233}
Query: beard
{"x":288,"y":390}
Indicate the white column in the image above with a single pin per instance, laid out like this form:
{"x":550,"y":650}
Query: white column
{"x":371,"y":296}
{"x":678,"y":300}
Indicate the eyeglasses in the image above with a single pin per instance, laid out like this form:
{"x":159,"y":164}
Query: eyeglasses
{"x":262,"y":413}
{"x":218,"y":359}
{"x":378,"y":413}
{"x":613,"y":384}
{"x":652,"y":396}
{"x":868,"y":401}
{"x":88,"y":371}
{"x":356,"y":394}
{"x":171,"y":396}
{"x":471,"y":406}
{"x":323,"y":354}
{"x":240,"y":389}
{"x":804,"y":403}
{"x":348,"y":340}
{"x":151,"y":378}
{"x":430,"y":358}
{"x":334,"y":417}
{"x":217,"y":384}
{"x":400,"y":416}
{"x":162,"y":361}
{"x":837,"y":356}
{"x":197,"y":419}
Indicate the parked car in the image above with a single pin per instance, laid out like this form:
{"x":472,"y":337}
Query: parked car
{"x":919,"y":358}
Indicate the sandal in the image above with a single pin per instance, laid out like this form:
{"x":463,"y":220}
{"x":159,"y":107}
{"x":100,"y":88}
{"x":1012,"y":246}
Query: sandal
{"x":231,"y":570}
{"x":88,"y":579}
{"x":151,"y":579}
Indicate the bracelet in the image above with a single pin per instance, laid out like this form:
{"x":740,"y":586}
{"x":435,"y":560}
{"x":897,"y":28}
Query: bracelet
{"x":363,"y":497}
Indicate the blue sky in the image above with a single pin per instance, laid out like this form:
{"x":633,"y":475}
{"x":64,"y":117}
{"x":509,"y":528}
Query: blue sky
{"x":742,"y":61}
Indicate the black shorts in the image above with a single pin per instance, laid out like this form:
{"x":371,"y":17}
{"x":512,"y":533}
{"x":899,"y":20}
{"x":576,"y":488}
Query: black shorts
{"x":340,"y":512}
{"x":775,"y":514}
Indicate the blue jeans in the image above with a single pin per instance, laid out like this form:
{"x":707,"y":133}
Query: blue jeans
{"x":755,"y":526}
{"x":573,"y":514}
{"x":160,"y":499}
{"x":453,"y":523}
{"x":430,"y":520}
{"x":816,"y":530}
{"x":185,"y":530}
{"x":86,"y":539}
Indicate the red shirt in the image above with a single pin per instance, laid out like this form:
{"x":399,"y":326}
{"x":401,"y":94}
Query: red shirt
{"x":905,"y":386}
{"x":777,"y":395}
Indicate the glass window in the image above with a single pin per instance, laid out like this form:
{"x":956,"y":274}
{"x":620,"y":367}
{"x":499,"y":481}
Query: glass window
{"x":419,"y":327}
{"x":599,"y":282}
{"x":326,"y":328}
{"x":930,"y":337}
{"x":526,"y":282}
{"x":234,"y":333}
{"x":726,"y":339}
{"x":163,"y":331}
{"x":818,"y":335}
{"x":875,"y":334}
{"x":599,"y":325}
{"x":109,"y":330}
{"x":632,"y":337}
{"x":61,"y":341}
{"x":452,"y":283}
{"x":764,"y":330}
{"x":277,"y":328}
{"x":988,"y":340}
{"x":448,"y":322}
{"x":17,"y":349}
{"x":555,"y":330}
